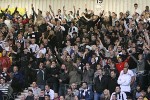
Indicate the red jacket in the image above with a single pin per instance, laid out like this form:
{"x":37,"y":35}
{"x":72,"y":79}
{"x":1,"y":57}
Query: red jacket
{"x":120,"y":65}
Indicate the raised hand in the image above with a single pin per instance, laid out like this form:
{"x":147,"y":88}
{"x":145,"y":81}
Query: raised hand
{"x":32,"y":6}
{"x":64,"y":7}
{"x":50,"y":6}
{"x":25,"y":10}
{"x":56,"y":50}
{"x":109,"y":12}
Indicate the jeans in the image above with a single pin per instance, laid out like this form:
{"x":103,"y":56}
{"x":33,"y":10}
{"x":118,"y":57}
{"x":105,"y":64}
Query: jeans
{"x":134,"y":70}
{"x":62,"y":89}
{"x":90,"y":87}
{"x":133,"y":86}
{"x":97,"y":96}
{"x":140,"y":80}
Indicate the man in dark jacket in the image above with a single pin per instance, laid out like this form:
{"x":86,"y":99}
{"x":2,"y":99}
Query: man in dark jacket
{"x":63,"y":79}
{"x":17,"y":80}
{"x":52,"y":73}
{"x":30,"y":95}
{"x":88,"y":74}
{"x":41,"y":76}
{"x":100,"y":84}
{"x":112,"y":82}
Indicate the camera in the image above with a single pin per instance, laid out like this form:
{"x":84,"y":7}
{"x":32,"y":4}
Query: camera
{"x":130,"y":51}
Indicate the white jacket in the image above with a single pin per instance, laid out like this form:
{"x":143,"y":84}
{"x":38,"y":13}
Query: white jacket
{"x":124,"y":81}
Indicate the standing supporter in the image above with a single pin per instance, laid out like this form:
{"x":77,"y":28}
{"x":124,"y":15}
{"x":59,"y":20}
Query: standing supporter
{"x":63,"y":79}
{"x":17,"y":80}
{"x":100,"y":84}
{"x":124,"y":81}
{"x":112,"y":81}
{"x":88,"y":74}
{"x":40,"y":76}
{"x":52,"y":76}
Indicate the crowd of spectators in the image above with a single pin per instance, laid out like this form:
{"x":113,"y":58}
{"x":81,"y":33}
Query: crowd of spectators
{"x":72,"y":56}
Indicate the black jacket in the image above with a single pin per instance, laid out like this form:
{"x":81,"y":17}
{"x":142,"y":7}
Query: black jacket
{"x":64,"y":77}
{"x":99,"y":86}
{"x":112,"y":84}
{"x":131,"y":62}
{"x":29,"y":98}
{"x":51,"y":74}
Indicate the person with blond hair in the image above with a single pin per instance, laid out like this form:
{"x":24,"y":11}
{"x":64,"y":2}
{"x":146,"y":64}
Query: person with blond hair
{"x":106,"y":95}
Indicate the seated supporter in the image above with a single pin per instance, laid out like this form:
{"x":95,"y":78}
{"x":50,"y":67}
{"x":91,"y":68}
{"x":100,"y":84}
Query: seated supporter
{"x":5,"y":88}
{"x":4,"y":74}
{"x":49,"y":92}
{"x":74,"y":89}
{"x":105,"y":95}
{"x":118,"y":95}
{"x":36,"y":90}
{"x":30,"y":95}
{"x":41,"y":96}
{"x":69,"y":95}
{"x":85,"y":92}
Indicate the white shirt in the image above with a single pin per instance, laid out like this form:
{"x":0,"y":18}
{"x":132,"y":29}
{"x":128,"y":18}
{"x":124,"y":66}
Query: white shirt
{"x":36,"y":91}
{"x":61,"y":28}
{"x":7,"y":48}
{"x":137,"y":11}
{"x":129,"y":72}
{"x":8,"y":23}
{"x":123,"y":96}
{"x":124,"y":81}
{"x":43,"y":51}
{"x":34,"y":47}
{"x":51,"y":93}
{"x":68,"y":48}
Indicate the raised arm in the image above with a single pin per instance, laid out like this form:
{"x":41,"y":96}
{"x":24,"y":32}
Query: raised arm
{"x":147,"y":37}
{"x":6,"y":38}
{"x":25,"y":14}
{"x":50,"y":7}
{"x":133,"y":58}
{"x":14,"y":11}
{"x":64,"y":12}
{"x":74,"y":8}
{"x":7,"y":8}
{"x":34,"y":13}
